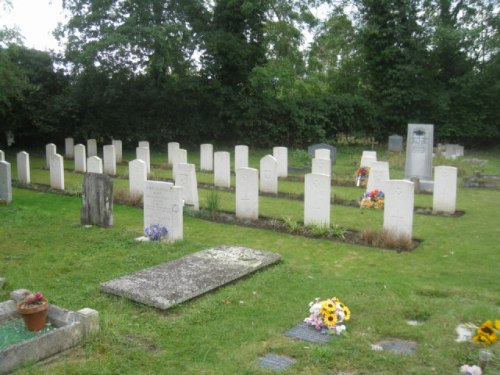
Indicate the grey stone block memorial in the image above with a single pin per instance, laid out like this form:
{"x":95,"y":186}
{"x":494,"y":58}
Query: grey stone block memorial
{"x":5,"y":182}
{"x":97,"y":197}
{"x":174,"y":282}
{"x":395,"y":143}
{"x":333,"y":151}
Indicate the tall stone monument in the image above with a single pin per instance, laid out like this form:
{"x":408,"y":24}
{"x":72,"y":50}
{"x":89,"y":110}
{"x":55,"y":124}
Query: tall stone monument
{"x":419,"y":147}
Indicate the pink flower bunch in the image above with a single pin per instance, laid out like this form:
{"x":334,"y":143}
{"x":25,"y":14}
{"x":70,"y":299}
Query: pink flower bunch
{"x":32,"y":299}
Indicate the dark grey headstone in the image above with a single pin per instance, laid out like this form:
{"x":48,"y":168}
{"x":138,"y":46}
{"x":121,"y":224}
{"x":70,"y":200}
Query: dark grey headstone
{"x":97,"y":195}
{"x":307,"y":333}
{"x":275,"y":362}
{"x":399,"y":346}
{"x":171,"y":283}
{"x":395,"y":143}
{"x":333,"y":150}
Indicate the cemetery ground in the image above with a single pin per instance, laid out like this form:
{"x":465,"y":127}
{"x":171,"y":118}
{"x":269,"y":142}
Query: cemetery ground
{"x":451,"y":278}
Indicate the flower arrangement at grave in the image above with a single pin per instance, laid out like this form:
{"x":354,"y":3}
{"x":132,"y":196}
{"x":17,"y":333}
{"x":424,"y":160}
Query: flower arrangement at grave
{"x":156,"y":232}
{"x":487,"y":333}
{"x":361,"y":176}
{"x":33,"y":310}
{"x":328,"y":316}
{"x":372,"y":199}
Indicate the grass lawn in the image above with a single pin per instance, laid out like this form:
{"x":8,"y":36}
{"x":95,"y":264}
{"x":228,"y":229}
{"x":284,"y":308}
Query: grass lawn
{"x":453,"y":277}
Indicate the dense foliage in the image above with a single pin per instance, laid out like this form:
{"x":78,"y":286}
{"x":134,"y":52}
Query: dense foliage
{"x":241,"y":71}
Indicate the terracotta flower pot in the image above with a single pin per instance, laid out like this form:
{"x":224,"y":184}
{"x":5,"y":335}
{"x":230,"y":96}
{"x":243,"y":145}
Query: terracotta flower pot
{"x":34,"y":317}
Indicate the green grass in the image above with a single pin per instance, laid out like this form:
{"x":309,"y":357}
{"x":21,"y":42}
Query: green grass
{"x":451,"y":278}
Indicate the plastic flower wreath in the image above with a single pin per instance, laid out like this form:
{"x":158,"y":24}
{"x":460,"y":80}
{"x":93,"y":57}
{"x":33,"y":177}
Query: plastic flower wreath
{"x":361,"y":176}
{"x":487,"y":333}
{"x":328,"y":315}
{"x":32,"y":299}
{"x":155,"y":232}
{"x":372,"y":199}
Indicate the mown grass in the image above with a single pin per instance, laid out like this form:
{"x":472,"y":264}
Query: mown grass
{"x":450,"y":279}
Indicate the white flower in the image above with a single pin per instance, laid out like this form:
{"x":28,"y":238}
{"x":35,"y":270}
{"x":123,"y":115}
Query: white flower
{"x":339,"y":329}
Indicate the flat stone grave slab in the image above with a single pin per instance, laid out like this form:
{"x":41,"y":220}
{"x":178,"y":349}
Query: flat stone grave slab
{"x":307,"y":333}
{"x":397,"y":346}
{"x":171,"y":283}
{"x":275,"y":362}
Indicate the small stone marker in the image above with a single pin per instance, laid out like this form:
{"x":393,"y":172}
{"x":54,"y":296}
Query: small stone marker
{"x":281,"y":156}
{"x":180,"y":157}
{"x":333,"y":151}
{"x":379,"y":174}
{"x":97,"y":196}
{"x":247,"y":193}
{"x":94,"y":164}
{"x":222,"y":169}
{"x":398,"y":207}
{"x":275,"y":362}
{"x":5,"y":182}
{"x":444,"y":196}
{"x":321,"y":165}
{"x":142,"y":153}
{"x":174,"y":282}
{"x":419,"y":147}
{"x":109,"y":157}
{"x":80,"y":159}
{"x":50,"y":150}
{"x":307,"y":333}
{"x":186,"y":178}
{"x":367,"y":158}
{"x":206,"y":157}
{"x":118,"y":150}
{"x":23,"y":167}
{"x":451,"y":151}
{"x":397,"y":346}
{"x":57,"y":172}
{"x":269,"y":174}
{"x":240,"y":157}
{"x":317,"y":197}
{"x":395,"y":143}
{"x":69,"y":148}
{"x":143,"y":144}
{"x":91,"y":147}
{"x":172,"y":146}
{"x":137,"y":176}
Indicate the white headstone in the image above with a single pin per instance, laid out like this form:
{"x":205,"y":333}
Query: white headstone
{"x":444,"y":197}
{"x":247,"y":193}
{"x":322,"y":153}
{"x":419,"y":148}
{"x":322,"y":166}
{"x":57,"y":172}
{"x":50,"y":150}
{"x":163,"y":206}
{"x":222,"y":169}
{"x":186,"y":178}
{"x":367,"y":158}
{"x":118,"y":150}
{"x":69,"y":148}
{"x":281,"y":156}
{"x":317,"y":198}
{"x":80,"y":159}
{"x":94,"y":164}
{"x":137,"y":176}
{"x":206,"y":157}
{"x":172,"y":146}
{"x":180,"y":157}
{"x":143,"y":144}
{"x":2,"y":156}
{"x":398,"y":207}
{"x":269,"y":174}
{"x":23,"y":167}
{"x":91,"y":147}
{"x":142,"y":153}
{"x":240,"y":157}
{"x":5,"y":182}
{"x":109,"y":157}
{"x":379,"y":174}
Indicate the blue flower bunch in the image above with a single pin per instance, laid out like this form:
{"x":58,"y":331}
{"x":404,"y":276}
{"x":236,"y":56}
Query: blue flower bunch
{"x":155,"y":232}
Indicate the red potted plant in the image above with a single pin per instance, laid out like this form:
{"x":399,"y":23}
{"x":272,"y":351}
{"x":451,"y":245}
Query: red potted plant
{"x":33,"y":310}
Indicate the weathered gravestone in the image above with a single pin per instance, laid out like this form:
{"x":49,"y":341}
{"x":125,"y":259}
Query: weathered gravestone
{"x":186,"y":178}
{"x":322,"y":166}
{"x":379,"y":174}
{"x":172,"y":283}
{"x":317,"y":194}
{"x":163,"y":206}
{"x":240,"y":157}
{"x":80,"y":159}
{"x":69,"y":148}
{"x":368,"y":158}
{"x":97,"y":196}
{"x":142,"y":153}
{"x":57,"y":172}
{"x":269,"y":174}
{"x":91,"y":147}
{"x":333,"y":151}
{"x":444,"y":196}
{"x":118,"y":150}
{"x":94,"y":164}
{"x":452,"y":151}
{"x":137,"y":176}
{"x":222,"y":169}
{"x":23,"y":167}
{"x":171,"y":147}
{"x":5,"y":182}
{"x":395,"y":143}
{"x":50,"y":150}
{"x":281,"y":156}
{"x":206,"y":157}
{"x":398,"y":208}
{"x":419,"y":147}
{"x":247,"y":193}
{"x":180,"y":157}
{"x":109,"y":159}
